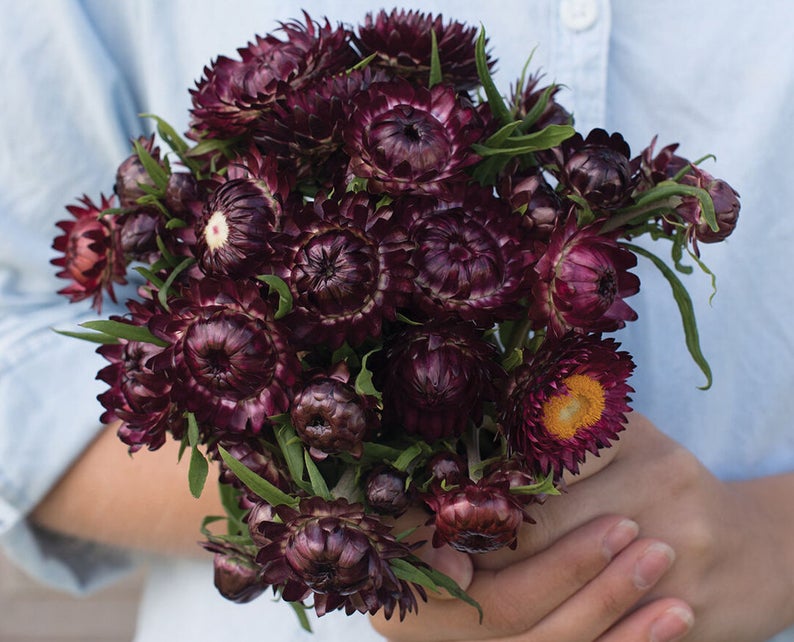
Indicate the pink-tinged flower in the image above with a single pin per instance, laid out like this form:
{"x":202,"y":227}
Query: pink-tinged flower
{"x":229,"y":361}
{"x":472,"y":256}
{"x":346,"y":265}
{"x":476,"y":517}
{"x":598,"y":169}
{"x":331,"y":417}
{"x":651,"y":168}
{"x":335,"y":553}
{"x":233,"y":93}
{"x":569,"y":398}
{"x":234,"y":232}
{"x":404,"y":138}
{"x":436,"y":379}
{"x":92,"y":258}
{"x":582,"y":281}
{"x":401,"y":43}
{"x":138,"y":397}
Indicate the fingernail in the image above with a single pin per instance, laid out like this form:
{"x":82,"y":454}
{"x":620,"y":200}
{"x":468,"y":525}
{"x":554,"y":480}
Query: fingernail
{"x":619,"y":537}
{"x":672,"y":625}
{"x":655,"y":561}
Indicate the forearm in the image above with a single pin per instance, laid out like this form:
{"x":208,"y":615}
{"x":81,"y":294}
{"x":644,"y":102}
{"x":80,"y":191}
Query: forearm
{"x":141,"y":502}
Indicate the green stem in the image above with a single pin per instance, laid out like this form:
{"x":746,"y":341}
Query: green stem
{"x":638,"y":214}
{"x":518,"y":336}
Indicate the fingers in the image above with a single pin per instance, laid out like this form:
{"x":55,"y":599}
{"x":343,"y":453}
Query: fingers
{"x":518,"y":597}
{"x":664,"y":620}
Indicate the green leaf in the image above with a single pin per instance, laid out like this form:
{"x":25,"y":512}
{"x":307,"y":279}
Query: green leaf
{"x":498,"y":139}
{"x":261,"y":487}
{"x":431,"y":579}
{"x":162,"y":294}
{"x":686,"y":309}
{"x":363,"y":384}
{"x":175,"y":223}
{"x":545,"y":486}
{"x":284,"y":294}
{"x":363,"y":63}
{"x":435,"y":62}
{"x":230,"y":500}
{"x":408,"y":456}
{"x":192,"y":430}
{"x":300,"y":612}
{"x":319,"y":487}
{"x":513,"y":360}
{"x":126,"y":331}
{"x":546,"y":138}
{"x":495,"y":101}
{"x":152,"y":167}
{"x":197,"y":472}
{"x":168,"y":134}
{"x":292,"y":449}
{"x":94,"y":337}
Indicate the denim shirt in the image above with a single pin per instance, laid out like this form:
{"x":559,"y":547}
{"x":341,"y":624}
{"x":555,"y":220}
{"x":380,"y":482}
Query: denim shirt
{"x":715,"y":76}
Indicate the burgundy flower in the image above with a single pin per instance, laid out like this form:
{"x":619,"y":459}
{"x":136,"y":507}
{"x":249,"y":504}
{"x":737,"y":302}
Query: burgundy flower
{"x":92,"y":257}
{"x":237,"y":577}
{"x":436,"y":379}
{"x":233,"y":93}
{"x":404,"y":138}
{"x":476,"y":517}
{"x":334,"y":552}
{"x":181,"y":193}
{"x":347,"y":268}
{"x":569,"y":398}
{"x":387,"y":492}
{"x":331,"y":417}
{"x":582,"y":281}
{"x":257,"y":458}
{"x":234,"y":232}
{"x":536,"y":200}
{"x":597,"y":169}
{"x":528,"y":101}
{"x":726,"y":207}
{"x":401,"y":42}
{"x":472,"y":255}
{"x":447,"y":468}
{"x":229,"y":362}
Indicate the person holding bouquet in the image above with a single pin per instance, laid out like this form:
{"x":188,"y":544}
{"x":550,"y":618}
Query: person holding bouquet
{"x":686,"y":531}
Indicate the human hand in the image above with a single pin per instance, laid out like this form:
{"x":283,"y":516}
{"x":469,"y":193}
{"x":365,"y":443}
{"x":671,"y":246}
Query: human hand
{"x":572,"y":591}
{"x":734,"y":542}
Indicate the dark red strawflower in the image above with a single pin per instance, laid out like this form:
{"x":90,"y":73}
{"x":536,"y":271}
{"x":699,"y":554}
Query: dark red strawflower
{"x":597,"y":169}
{"x":334,"y":553}
{"x":476,"y":517}
{"x":229,"y":361}
{"x":582,"y":281}
{"x":472,"y":256}
{"x":346,"y":265}
{"x":726,"y":207}
{"x":569,"y":398}
{"x":532,"y":196}
{"x":234,"y":232}
{"x":91,"y":254}
{"x":331,"y":417}
{"x":131,"y":175}
{"x":401,"y":42}
{"x":530,"y":100}
{"x":404,"y":138}
{"x":437,"y":377}
{"x":447,"y":468}
{"x":386,"y":491}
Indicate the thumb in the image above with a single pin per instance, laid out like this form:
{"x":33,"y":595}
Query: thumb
{"x":456,"y":565}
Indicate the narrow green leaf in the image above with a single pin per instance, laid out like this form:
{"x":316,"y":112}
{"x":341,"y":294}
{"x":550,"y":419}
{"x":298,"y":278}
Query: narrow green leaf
{"x":513,"y":360}
{"x":300,"y":612}
{"x":126,"y":331}
{"x":319,"y":487}
{"x":408,"y":456}
{"x":363,"y":63}
{"x":431,"y":579}
{"x":545,"y":486}
{"x":261,"y":487}
{"x":162,"y":294}
{"x":94,"y":337}
{"x":230,"y":500}
{"x":175,"y":223}
{"x":495,"y":101}
{"x":292,"y":449}
{"x":497,"y":139}
{"x":150,"y":276}
{"x":363,"y":384}
{"x":197,"y":472}
{"x":686,"y":309}
{"x":380,"y":452}
{"x":192,"y":430}
{"x":152,"y":167}
{"x":537,"y":109}
{"x":168,"y":134}
{"x":435,"y":62}
{"x":284,"y":293}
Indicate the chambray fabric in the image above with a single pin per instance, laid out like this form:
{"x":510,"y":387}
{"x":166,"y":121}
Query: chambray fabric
{"x":715,"y":75}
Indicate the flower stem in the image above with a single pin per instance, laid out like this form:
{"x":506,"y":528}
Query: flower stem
{"x":518,"y":336}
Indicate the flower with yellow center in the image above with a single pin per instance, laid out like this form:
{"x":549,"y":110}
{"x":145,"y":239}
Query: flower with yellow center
{"x":569,"y":398}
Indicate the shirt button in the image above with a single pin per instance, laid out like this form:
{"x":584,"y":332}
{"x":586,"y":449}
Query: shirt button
{"x":578,"y":15}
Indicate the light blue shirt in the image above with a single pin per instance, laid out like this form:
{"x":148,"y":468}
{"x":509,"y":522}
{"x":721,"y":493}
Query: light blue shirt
{"x":715,"y":75}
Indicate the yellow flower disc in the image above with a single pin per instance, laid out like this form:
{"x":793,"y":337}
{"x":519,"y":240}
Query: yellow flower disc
{"x":580,"y":406}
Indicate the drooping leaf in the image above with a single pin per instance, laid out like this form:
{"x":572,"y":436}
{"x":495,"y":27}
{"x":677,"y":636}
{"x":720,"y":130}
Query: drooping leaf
{"x":258,"y":485}
{"x":126,"y":331}
{"x":197,"y":472}
{"x":363,"y":383}
{"x":277,"y":284}
{"x":94,"y":337}
{"x":681,"y":296}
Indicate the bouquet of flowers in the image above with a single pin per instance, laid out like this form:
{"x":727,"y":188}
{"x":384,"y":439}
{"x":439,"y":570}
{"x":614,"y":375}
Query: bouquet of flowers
{"x":370,"y":282}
